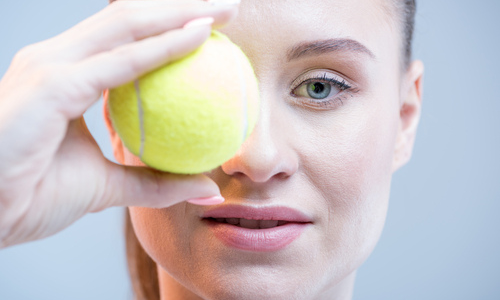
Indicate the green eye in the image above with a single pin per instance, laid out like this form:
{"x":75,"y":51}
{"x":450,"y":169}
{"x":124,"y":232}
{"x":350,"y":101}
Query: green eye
{"x":318,"y":90}
{"x":315,"y":89}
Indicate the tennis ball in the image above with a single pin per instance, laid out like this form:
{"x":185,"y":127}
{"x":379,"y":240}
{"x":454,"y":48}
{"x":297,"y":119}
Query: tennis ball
{"x":191,"y":115}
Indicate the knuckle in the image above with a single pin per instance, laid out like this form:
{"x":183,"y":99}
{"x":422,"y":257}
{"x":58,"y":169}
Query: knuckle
{"x":226,"y":16}
{"x":135,"y":23}
{"x":27,"y":53}
{"x":117,"y":6}
{"x":136,"y":20}
{"x":127,"y":58}
{"x":134,"y":65}
{"x":33,"y":55}
{"x":168,"y":53}
{"x":124,"y":11}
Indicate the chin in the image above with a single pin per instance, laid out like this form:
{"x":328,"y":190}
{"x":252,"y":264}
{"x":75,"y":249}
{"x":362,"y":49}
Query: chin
{"x":256,"y":283}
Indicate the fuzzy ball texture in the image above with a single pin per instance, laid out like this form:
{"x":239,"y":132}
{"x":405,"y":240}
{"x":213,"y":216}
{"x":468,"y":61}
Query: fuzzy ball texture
{"x":191,"y":115}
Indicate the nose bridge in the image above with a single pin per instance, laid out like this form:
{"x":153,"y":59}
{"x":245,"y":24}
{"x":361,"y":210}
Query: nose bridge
{"x":263,"y":142}
{"x":266,"y":153}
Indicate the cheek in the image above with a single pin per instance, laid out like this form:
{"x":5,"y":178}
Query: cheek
{"x":159,"y":230}
{"x":162,"y":233}
{"x":349,"y":162}
{"x":350,"y":158}
{"x":146,"y":222}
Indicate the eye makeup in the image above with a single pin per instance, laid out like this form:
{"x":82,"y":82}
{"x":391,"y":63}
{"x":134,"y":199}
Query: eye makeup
{"x":321,"y":90}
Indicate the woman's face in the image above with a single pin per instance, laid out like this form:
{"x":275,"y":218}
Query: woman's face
{"x":324,"y":146}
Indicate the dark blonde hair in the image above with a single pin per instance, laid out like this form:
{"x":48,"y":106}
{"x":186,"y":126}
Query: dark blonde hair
{"x":143,"y":270}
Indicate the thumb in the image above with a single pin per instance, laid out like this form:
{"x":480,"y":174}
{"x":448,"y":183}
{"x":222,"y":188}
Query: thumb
{"x":146,"y":187}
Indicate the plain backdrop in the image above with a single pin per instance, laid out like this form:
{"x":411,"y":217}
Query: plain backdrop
{"x":442,"y":237}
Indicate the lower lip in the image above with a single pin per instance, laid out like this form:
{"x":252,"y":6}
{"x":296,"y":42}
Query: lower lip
{"x":257,"y":240}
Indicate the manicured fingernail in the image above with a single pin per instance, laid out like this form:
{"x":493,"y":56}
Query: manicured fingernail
{"x":224,"y":2}
{"x":199,"y":22}
{"x":207,"y":201}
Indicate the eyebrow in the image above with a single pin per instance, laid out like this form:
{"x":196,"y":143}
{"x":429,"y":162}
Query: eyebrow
{"x":319,"y":47}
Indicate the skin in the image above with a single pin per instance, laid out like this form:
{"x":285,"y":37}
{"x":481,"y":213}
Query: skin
{"x":334,"y":161}
{"x":334,"y":164}
{"x":52,"y":171}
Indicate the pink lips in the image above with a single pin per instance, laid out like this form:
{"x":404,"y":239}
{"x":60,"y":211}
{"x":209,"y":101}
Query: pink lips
{"x":261,"y":230}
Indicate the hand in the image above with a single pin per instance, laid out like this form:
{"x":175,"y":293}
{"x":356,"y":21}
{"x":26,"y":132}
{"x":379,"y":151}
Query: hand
{"x":51,"y":170}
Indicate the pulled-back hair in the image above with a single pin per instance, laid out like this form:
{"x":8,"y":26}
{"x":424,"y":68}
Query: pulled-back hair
{"x":143,"y":270}
{"x":407,"y":10}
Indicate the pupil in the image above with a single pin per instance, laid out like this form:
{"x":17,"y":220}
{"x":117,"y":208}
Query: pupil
{"x":318,"y":87}
{"x":318,"y":90}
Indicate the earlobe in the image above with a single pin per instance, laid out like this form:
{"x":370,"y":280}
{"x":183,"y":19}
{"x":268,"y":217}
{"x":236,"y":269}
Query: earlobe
{"x":410,"y":109}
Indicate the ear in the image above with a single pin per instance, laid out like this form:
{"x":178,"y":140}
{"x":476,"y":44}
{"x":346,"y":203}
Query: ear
{"x":116,"y":143}
{"x":409,"y":113}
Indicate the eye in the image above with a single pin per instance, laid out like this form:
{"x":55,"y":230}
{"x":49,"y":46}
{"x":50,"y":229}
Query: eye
{"x":320,"y":90}
{"x":315,"y":90}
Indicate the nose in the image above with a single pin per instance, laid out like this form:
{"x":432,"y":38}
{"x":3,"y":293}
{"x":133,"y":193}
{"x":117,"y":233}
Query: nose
{"x":268,"y":152}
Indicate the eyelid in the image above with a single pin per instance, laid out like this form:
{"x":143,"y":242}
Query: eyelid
{"x":346,"y":90}
{"x":317,"y":74}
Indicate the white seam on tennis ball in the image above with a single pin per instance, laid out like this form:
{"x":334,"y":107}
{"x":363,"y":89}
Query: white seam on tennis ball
{"x":244,"y":99}
{"x":140,"y":112}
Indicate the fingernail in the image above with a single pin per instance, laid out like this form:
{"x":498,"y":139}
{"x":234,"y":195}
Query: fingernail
{"x":199,"y":22}
{"x":207,"y":201}
{"x":224,"y":2}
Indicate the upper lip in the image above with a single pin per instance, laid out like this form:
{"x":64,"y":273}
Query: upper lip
{"x":281,"y":213}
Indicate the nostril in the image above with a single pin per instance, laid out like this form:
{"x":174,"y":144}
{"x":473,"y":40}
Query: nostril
{"x":258,"y":175}
{"x":262,"y":157}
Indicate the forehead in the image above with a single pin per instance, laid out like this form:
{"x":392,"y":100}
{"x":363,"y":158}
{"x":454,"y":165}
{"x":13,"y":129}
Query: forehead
{"x":264,"y":27}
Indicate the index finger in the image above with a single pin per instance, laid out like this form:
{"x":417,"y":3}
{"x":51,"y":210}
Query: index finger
{"x":125,"y":22}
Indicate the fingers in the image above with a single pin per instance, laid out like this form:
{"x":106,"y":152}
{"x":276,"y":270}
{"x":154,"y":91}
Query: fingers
{"x":118,"y":185}
{"x":115,"y":46}
{"x":124,"y":64}
{"x":124,"y":22}
{"x":145,"y":187}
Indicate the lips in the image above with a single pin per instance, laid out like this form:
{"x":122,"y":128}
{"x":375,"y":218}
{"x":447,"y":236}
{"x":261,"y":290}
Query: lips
{"x":251,"y":224}
{"x":260,"y":229}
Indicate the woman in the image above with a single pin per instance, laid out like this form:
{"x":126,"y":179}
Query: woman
{"x":340,"y":103}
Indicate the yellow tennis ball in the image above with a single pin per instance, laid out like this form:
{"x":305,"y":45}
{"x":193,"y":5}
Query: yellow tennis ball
{"x":191,"y":115}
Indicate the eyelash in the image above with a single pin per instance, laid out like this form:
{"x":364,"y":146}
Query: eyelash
{"x":326,"y":103}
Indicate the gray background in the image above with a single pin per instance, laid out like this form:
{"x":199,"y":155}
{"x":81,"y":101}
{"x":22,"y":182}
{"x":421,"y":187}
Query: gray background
{"x":441,"y":239}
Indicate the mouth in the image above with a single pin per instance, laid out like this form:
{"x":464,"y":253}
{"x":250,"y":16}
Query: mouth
{"x":249,"y":223}
{"x":258,"y":229}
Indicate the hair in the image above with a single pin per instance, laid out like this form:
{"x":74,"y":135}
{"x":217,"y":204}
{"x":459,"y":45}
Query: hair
{"x":143,"y":270}
{"x":407,"y":10}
